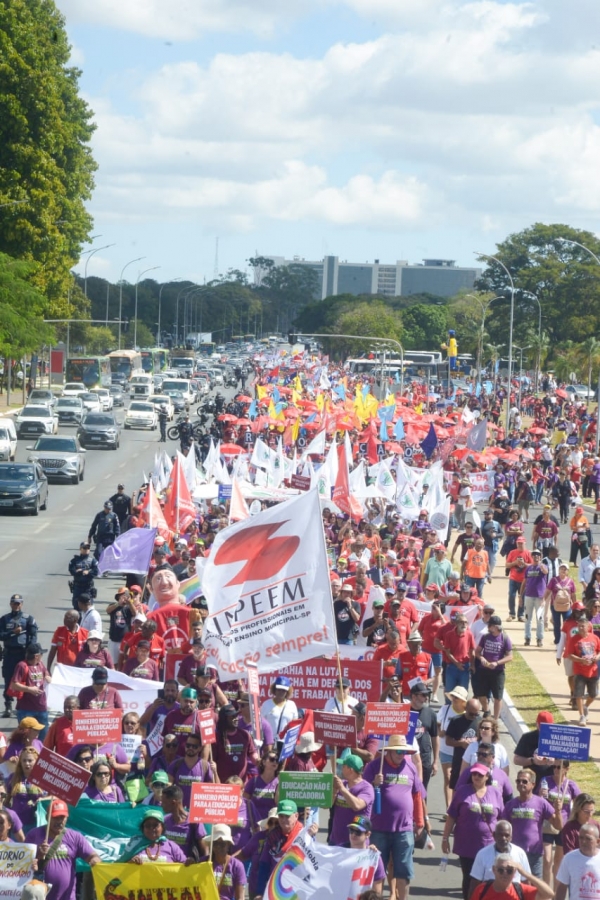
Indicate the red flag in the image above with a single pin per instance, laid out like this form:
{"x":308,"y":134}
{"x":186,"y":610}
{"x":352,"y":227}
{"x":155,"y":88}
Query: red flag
{"x":238,"y":508}
{"x":152,"y":514}
{"x":179,"y":508}
{"x":372,"y":445}
{"x":341,"y":489}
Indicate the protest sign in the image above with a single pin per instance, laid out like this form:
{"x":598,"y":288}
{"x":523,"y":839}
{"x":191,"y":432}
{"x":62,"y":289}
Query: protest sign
{"x":315,"y":681}
{"x":97,"y":726}
{"x":208,"y":729}
{"x":131,"y":744}
{"x":136,"y":693}
{"x":224,"y":492}
{"x":155,"y":740}
{"x":331,"y":728}
{"x":289,"y":742}
{"x":215,"y":803}
{"x":387,"y":718}
{"x":59,"y":777}
{"x":565,"y":742}
{"x":268,"y":590}
{"x":172,"y":663}
{"x":254,"y":700}
{"x":307,"y":788}
{"x":120,"y":881}
{"x":16,"y":868}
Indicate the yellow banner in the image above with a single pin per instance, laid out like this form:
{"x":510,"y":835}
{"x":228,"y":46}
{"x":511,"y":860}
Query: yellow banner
{"x":157,"y":881}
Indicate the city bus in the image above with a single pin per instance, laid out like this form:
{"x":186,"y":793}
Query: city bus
{"x":91,"y":371}
{"x":124,"y":364}
{"x":413,"y":360}
{"x":154,"y":360}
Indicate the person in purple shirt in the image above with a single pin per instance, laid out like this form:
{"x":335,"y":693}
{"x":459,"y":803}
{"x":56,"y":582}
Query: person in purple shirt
{"x":23,"y":737}
{"x":353,"y":796}
{"x":177,"y":825}
{"x":261,"y":789}
{"x":58,"y":853}
{"x":101,"y":788}
{"x":472,"y":814}
{"x":15,"y":826}
{"x":242,"y":830}
{"x":413,"y":585}
{"x":99,"y":695}
{"x":491,"y":655}
{"x":533,"y":590}
{"x":167,"y":755}
{"x":229,"y":872}
{"x":359,"y":834}
{"x":152,"y":846}
{"x":500,"y":780}
{"x":23,"y":796}
{"x":161,"y":707}
{"x":191,"y":768}
{"x":527,"y":814}
{"x":141,"y":665}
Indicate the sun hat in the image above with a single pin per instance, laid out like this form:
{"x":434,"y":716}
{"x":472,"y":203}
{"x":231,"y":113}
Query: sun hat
{"x":222,"y":833}
{"x":459,"y":692}
{"x":306,"y":743}
{"x":398,"y":742}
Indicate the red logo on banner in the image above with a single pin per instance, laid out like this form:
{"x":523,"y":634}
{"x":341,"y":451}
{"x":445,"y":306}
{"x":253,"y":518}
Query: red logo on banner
{"x":387,"y":718}
{"x":97,"y":726}
{"x":208,"y":730}
{"x":217,"y":804}
{"x":264,"y":555}
{"x":59,"y":777}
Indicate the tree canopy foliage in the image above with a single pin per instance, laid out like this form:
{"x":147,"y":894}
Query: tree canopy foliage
{"x":22,"y":327}
{"x":45,"y":159}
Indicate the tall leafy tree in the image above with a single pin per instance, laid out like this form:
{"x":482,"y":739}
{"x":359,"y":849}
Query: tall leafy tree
{"x":45,"y":158}
{"x":22,"y":327}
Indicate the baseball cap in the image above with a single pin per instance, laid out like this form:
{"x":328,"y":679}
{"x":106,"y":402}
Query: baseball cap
{"x":16,"y":598}
{"x":154,"y":813}
{"x":544,"y":718}
{"x":479,"y":767}
{"x":388,"y":591}
{"x":121,"y":590}
{"x":345,"y":682}
{"x":120,"y":486}
{"x":100,"y":675}
{"x":286,"y":808}
{"x":189,"y":693}
{"x":379,"y":602}
{"x":402,"y":586}
{"x":59,"y":807}
{"x":360,"y":823}
{"x":30,"y":722}
{"x":495,"y":620}
{"x":108,"y":505}
{"x":282,"y":681}
{"x":577,"y":606}
{"x":84,"y":545}
{"x":160,"y":777}
{"x":353,"y":762}
{"x":135,"y":589}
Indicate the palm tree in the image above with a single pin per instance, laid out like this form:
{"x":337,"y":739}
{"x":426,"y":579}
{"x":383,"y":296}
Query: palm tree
{"x":590,"y":352}
{"x":541,"y":344}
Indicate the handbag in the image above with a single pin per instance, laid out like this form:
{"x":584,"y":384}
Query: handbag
{"x":10,"y":690}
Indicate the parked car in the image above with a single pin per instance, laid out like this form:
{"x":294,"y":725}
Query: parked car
{"x":69,"y":410}
{"x":141,"y":414}
{"x":116,"y":392}
{"x":36,"y":420}
{"x":8,"y":439}
{"x":23,"y":486}
{"x":91,"y":402}
{"x":74,"y":389}
{"x":41,"y":395}
{"x":59,"y":457}
{"x":99,"y":430}
{"x":163,"y":400}
{"x":105,"y":398}
{"x":580,"y":392}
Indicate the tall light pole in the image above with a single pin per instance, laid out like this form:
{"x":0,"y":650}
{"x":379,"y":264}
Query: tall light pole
{"x":162,"y":287}
{"x":484,"y":309}
{"x":521,"y":351}
{"x":151,"y":269}
{"x":91,"y":253}
{"x":182,"y":291}
{"x":539,"y":357}
{"x":510,"y":331}
{"x":131,"y":261}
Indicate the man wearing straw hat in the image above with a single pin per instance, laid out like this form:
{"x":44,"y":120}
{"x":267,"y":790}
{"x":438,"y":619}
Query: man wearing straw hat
{"x":398,"y":809}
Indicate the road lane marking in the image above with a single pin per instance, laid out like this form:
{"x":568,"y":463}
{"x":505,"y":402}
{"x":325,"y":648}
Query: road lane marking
{"x":89,"y":490}
{"x":41,"y":528}
{"x":6,"y":555}
{"x":70,"y":506}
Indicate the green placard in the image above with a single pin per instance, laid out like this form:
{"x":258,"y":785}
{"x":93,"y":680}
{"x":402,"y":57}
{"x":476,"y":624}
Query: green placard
{"x":307,"y":788}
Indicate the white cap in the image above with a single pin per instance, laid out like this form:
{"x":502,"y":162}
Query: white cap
{"x":95,"y":635}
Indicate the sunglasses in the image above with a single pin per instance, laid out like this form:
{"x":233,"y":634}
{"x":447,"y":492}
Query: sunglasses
{"x":484,"y":755}
{"x":271,"y":759}
{"x":354,"y":831}
{"x":522,"y":781}
{"x":192,"y":746}
{"x":506,"y":870}
{"x":85,"y":759}
{"x":103,"y":774}
{"x":171,"y":744}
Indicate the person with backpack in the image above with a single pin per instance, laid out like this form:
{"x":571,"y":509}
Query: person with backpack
{"x":504,"y":887}
{"x":560,"y":596}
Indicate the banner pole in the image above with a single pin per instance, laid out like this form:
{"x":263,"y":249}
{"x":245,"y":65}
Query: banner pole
{"x":49,"y":818}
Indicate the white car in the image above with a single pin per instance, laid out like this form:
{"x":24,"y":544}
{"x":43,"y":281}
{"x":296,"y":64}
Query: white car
{"x":163,"y":400}
{"x":69,"y":410}
{"x":41,"y":395}
{"x":579,"y":392}
{"x":141,"y":415}
{"x":91,"y":402}
{"x":36,"y":420}
{"x":106,"y":398}
{"x":74,"y":389}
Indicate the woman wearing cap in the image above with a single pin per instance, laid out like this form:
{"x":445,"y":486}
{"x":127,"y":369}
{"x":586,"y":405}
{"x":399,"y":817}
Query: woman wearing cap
{"x":492,"y":654}
{"x":93,"y":654}
{"x":142,"y":666}
{"x":196,"y":659}
{"x":25,"y":736}
{"x":101,"y":787}
{"x":352,"y":795}
{"x":152,"y":846}
{"x":30,"y":678}
{"x":157,"y":782}
{"x":22,"y":794}
{"x":560,"y":596}
{"x":472,"y":817}
{"x":279,"y":710}
{"x":229,"y":872}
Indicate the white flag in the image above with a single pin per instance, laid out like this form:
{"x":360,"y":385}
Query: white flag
{"x":261,"y":455}
{"x":385,"y":484}
{"x":268,"y":590}
{"x":316,"y":446}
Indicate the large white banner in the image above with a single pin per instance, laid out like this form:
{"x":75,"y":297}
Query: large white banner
{"x":16,"y":868}
{"x":268,"y":590}
{"x":136,"y":693}
{"x":310,"y":870}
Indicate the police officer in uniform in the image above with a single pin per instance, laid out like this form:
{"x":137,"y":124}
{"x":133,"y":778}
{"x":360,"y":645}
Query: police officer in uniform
{"x":186,"y":433}
{"x":163,"y":418}
{"x":17,"y":631}
{"x":121,"y":504}
{"x":83,"y":568}
{"x":105,"y":528}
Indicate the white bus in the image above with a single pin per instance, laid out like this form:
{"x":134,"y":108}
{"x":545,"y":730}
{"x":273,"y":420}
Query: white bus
{"x":413,"y":359}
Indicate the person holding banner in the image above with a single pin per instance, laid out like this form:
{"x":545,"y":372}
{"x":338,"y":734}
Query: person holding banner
{"x":59,"y":848}
{"x":277,"y":842}
{"x":191,"y":768}
{"x":152,"y":846}
{"x":352,"y":795}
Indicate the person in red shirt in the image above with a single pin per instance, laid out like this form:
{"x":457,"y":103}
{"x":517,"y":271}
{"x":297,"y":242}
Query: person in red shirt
{"x":569,"y":635}
{"x":390,"y":651}
{"x":429,"y":628}
{"x":67,"y":640}
{"x":400,"y":607}
{"x":146,"y":633}
{"x":516,"y":563}
{"x":585,"y":655}
{"x":414,"y":663}
{"x":457,"y":643}
{"x":60,"y":733}
{"x":503,"y":888}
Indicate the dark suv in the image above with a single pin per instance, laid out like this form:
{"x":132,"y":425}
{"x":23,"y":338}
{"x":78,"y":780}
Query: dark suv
{"x":99,"y":430}
{"x":23,"y":486}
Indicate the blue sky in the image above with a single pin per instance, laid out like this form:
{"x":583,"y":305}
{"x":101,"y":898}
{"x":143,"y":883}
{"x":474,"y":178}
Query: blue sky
{"x":367,"y":129}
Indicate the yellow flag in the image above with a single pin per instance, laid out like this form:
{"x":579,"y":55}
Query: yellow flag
{"x":271,"y":411}
{"x":296,"y":430}
{"x":119,"y":881}
{"x":261,"y":391}
{"x":298,"y":384}
{"x":320,"y":401}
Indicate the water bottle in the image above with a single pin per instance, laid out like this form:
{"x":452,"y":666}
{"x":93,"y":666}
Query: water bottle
{"x":377,"y":801}
{"x":443,"y":863}
{"x":544,"y":788}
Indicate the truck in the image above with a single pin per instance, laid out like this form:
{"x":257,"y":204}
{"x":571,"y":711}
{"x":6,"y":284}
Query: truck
{"x":195,"y":338}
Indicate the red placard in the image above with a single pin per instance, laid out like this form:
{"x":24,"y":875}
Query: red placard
{"x":300,"y":482}
{"x":387,"y":718}
{"x":172,"y":663}
{"x":97,"y":726}
{"x":217,"y":804}
{"x":59,"y":777}
{"x":331,"y":728}
{"x":315,"y":680}
{"x":208,"y":729}
{"x":253,"y":680}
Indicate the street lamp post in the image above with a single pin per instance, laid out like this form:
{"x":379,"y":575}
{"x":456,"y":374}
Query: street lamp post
{"x":539,"y":357}
{"x":131,"y":261}
{"x":521,"y":351}
{"x":162,"y":287}
{"x":182,"y":291}
{"x":484,"y":309}
{"x":90,"y":253}
{"x":510,"y":332}
{"x":151,"y":269}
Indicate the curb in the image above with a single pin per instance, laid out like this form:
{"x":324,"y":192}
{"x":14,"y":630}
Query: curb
{"x":512,"y":718}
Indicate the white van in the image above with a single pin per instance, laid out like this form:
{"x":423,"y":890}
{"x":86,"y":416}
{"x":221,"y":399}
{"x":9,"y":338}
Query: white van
{"x":141,"y":386}
{"x":180,"y":384}
{"x":8,"y":439}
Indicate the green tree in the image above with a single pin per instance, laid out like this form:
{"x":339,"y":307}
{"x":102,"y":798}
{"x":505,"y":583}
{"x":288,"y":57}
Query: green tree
{"x":425,"y":327}
{"x":22,"y":327}
{"x":370,"y":320}
{"x":144,"y":337}
{"x":98,"y":340}
{"x":590,"y":354}
{"x":45,"y":159}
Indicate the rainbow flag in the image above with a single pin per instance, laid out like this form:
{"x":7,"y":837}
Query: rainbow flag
{"x":191,"y":588}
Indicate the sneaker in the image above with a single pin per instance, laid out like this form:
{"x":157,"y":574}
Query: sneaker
{"x":527,"y":642}
{"x":521,"y":618}
{"x":540,"y":643}
{"x":510,"y":618}
{"x":582,"y":721}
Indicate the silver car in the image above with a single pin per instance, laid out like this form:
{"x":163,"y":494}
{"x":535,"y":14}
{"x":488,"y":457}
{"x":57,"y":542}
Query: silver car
{"x":60,"y":457}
